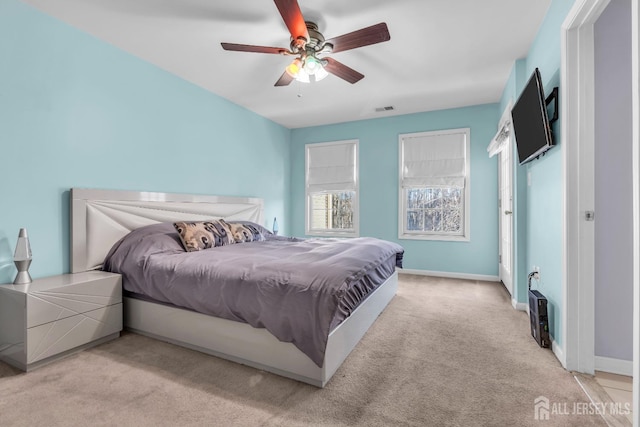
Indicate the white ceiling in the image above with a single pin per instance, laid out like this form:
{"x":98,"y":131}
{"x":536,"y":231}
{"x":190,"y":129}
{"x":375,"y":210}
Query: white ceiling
{"x":442,"y":53}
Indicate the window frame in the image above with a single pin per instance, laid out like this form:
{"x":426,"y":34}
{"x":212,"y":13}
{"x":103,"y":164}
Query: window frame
{"x":355,"y":232}
{"x":403,"y":233}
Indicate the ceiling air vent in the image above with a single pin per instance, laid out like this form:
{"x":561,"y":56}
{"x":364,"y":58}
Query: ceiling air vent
{"x":382,"y":109}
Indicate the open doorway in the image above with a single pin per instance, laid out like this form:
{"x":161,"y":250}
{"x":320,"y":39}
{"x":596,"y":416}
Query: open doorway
{"x":588,"y":132}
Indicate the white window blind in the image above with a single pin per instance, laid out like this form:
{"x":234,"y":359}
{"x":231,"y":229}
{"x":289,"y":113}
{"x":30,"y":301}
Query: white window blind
{"x":331,"y":166}
{"x":434,"y":160}
{"x":499,"y":142}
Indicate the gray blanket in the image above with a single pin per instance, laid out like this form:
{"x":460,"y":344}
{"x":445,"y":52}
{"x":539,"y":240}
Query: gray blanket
{"x":294,"y":288}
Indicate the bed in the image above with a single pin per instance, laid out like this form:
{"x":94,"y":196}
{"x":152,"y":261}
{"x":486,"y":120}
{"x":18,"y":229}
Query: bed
{"x":103,"y":219}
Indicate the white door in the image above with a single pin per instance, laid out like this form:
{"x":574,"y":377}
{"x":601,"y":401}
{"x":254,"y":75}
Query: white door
{"x":506,"y":215}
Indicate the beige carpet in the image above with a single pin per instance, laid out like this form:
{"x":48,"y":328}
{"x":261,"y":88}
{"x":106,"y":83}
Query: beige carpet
{"x":444,"y":353}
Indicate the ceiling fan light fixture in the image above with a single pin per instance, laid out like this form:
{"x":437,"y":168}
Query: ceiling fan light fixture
{"x":307,"y":42}
{"x":303,"y":77}
{"x":294,"y":68}
{"x":311,"y":64}
{"x":318,"y":74}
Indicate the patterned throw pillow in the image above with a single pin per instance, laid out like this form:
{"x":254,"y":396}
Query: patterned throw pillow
{"x":245,"y":232}
{"x":196,"y":236}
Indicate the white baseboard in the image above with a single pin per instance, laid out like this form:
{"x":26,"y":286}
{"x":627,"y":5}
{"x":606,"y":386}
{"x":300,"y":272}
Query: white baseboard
{"x":558,"y":352}
{"x":465,"y":276}
{"x":555,"y":348}
{"x":520,"y":306}
{"x":614,"y":366}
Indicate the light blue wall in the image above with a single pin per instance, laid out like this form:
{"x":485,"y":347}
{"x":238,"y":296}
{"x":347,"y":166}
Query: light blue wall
{"x":379,"y":185}
{"x":542,"y":242}
{"x":77,"y":112}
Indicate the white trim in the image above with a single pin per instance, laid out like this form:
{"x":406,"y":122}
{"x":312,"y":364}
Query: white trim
{"x":520,"y":306}
{"x":577,"y":111}
{"x":557,"y":350}
{"x":356,"y":202}
{"x":450,"y":275}
{"x":465,"y":236}
{"x":432,"y":236}
{"x":506,"y":277}
{"x":577,"y":308}
{"x":614,"y":366}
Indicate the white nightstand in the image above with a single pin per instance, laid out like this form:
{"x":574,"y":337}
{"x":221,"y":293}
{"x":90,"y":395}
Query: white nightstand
{"x":54,"y":316}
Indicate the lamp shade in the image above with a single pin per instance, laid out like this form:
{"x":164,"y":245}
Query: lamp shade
{"x":321,"y":73}
{"x":310,"y":71}
{"x":318,"y":75}
{"x":22,"y":258}
{"x":23,"y":248}
{"x":294,"y":68}
{"x":311,"y":64}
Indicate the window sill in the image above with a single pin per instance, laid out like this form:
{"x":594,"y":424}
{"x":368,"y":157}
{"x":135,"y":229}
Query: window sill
{"x":313,"y":233}
{"x":436,"y":237}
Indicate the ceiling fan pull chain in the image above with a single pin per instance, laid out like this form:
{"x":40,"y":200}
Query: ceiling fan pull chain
{"x":299,"y":88}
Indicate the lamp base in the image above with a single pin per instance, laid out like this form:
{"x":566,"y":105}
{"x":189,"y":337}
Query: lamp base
{"x":23,"y":276}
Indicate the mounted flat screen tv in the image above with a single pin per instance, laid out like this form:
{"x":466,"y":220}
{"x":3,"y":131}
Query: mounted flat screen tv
{"x":531,"y":122}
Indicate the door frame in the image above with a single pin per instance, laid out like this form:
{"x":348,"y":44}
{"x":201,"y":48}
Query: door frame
{"x":578,"y":136}
{"x":577,"y":109}
{"x":505,"y":120}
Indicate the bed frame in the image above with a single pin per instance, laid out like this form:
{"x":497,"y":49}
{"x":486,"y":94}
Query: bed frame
{"x":99,"y":218}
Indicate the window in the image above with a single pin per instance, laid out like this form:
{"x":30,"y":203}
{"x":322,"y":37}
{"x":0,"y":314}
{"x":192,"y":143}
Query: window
{"x":434,"y":185}
{"x":331,"y":171}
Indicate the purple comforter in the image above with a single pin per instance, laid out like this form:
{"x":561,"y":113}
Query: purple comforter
{"x":295,"y":288}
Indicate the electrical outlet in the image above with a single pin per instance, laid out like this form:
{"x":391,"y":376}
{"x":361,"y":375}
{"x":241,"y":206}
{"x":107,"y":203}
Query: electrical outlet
{"x":536,"y":272}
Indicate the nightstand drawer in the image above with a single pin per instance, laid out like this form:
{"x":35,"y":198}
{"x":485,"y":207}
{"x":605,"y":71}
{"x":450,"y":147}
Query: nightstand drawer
{"x":66,"y":296}
{"x":55,"y":337}
{"x":44,"y":320}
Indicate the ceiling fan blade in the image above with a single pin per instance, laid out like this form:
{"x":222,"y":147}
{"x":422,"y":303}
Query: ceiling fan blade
{"x":250,"y":48}
{"x":284,"y":79}
{"x":364,"y":37}
{"x":339,"y":69}
{"x":292,"y":16}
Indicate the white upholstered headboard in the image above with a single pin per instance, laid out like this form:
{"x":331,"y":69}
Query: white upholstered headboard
{"x":99,"y":218}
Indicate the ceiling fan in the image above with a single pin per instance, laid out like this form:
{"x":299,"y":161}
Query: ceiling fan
{"x":308,"y":44}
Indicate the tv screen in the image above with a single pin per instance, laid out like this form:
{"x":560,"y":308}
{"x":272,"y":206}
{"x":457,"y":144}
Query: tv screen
{"x":531,"y":121}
